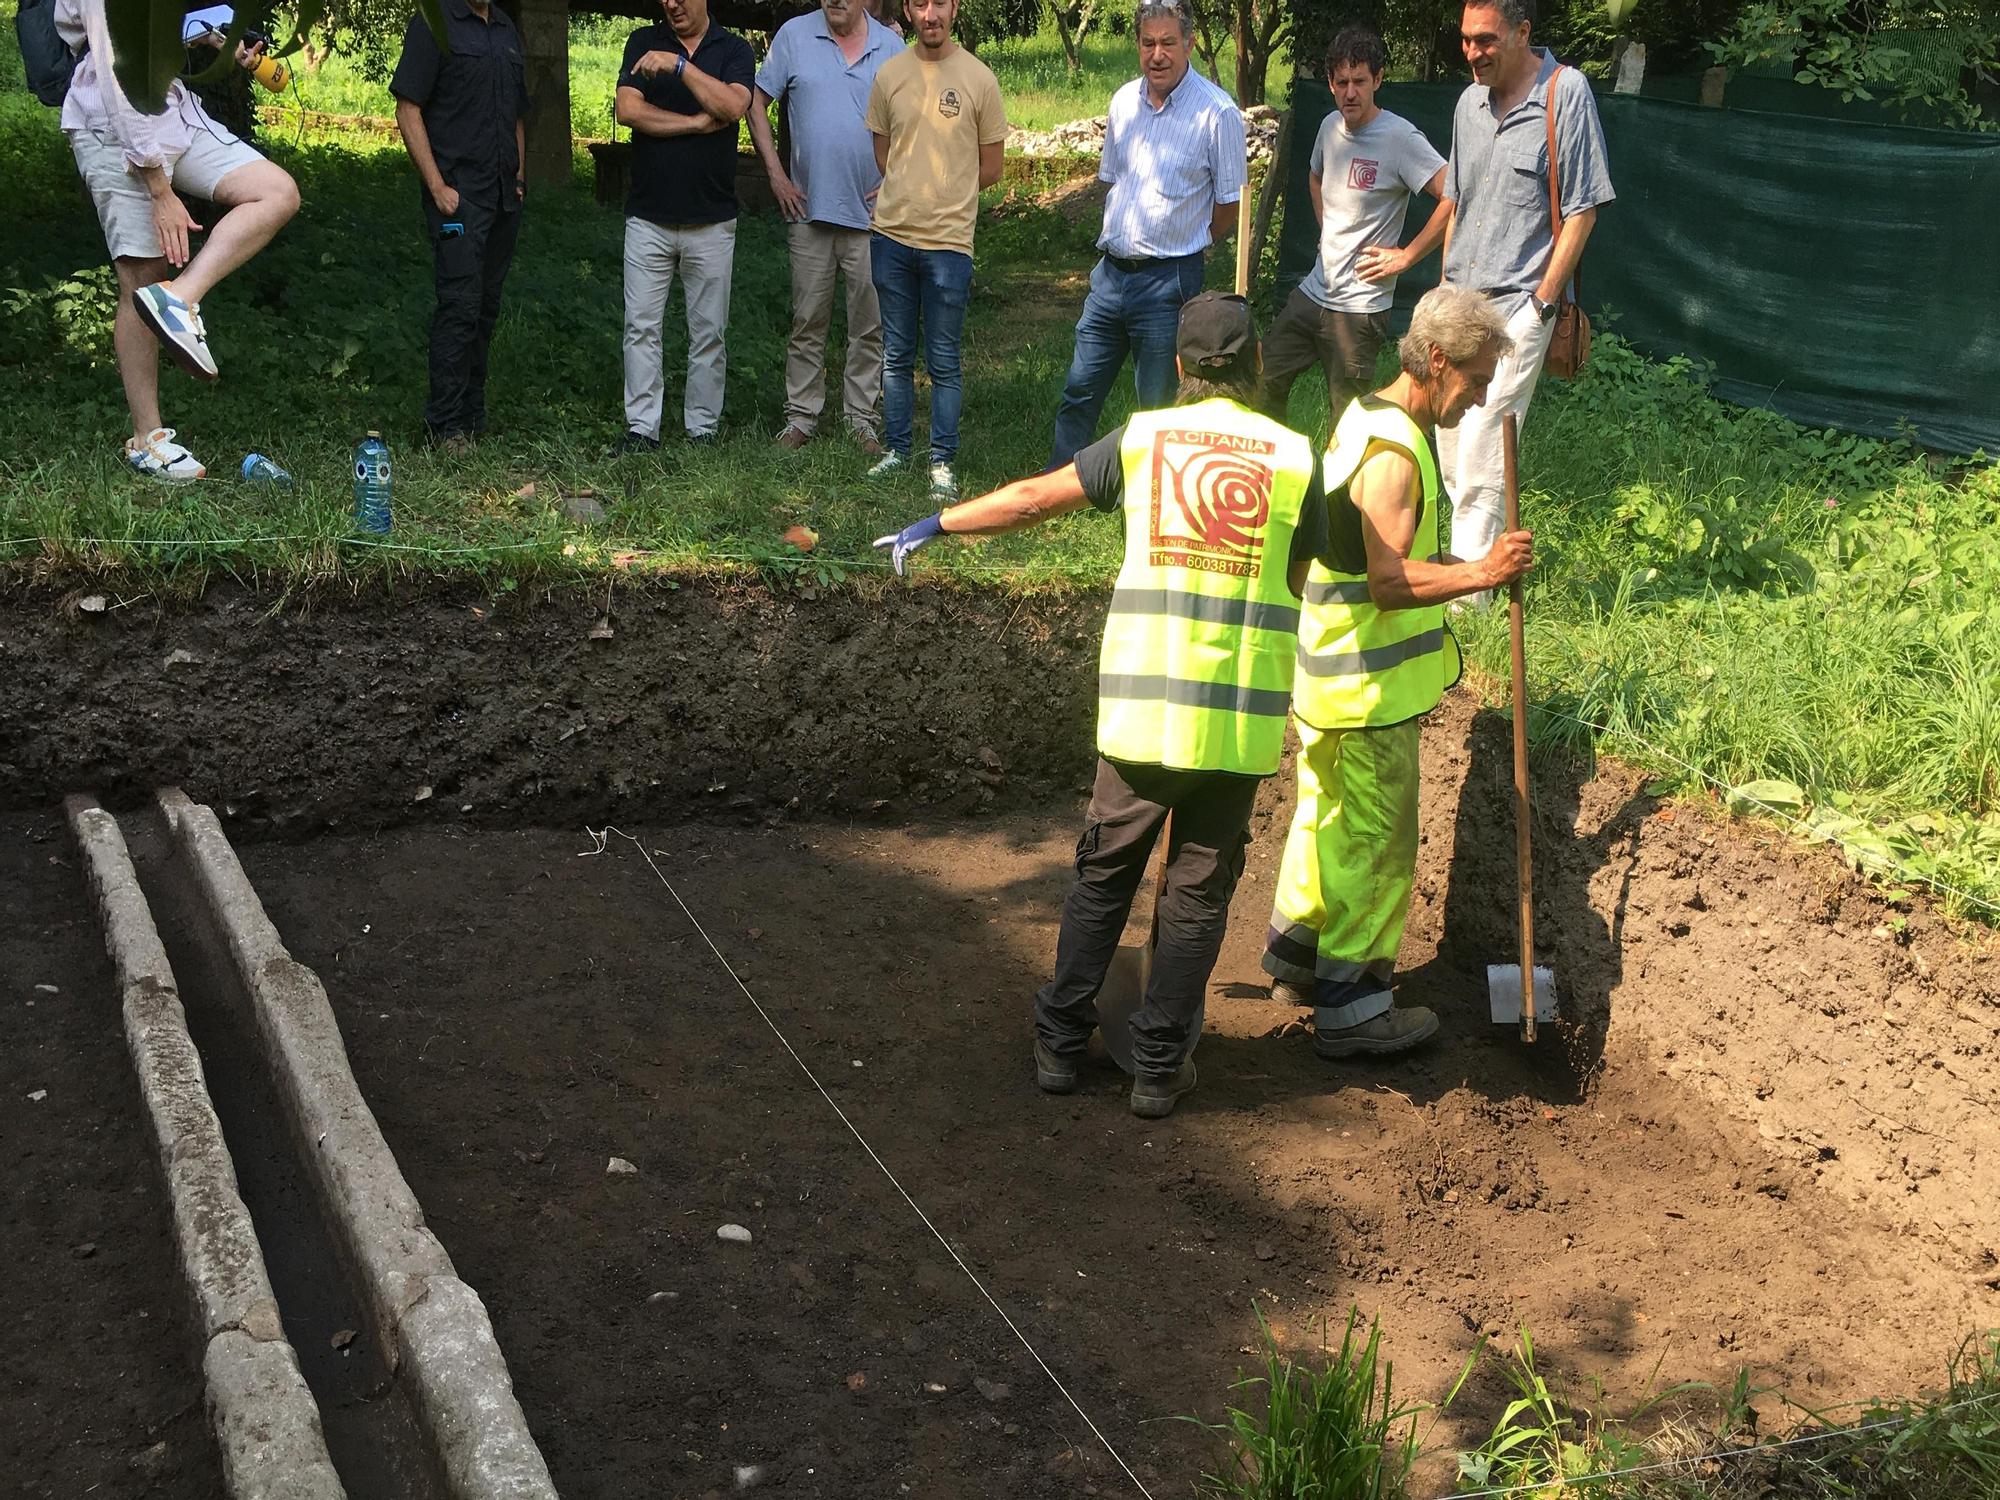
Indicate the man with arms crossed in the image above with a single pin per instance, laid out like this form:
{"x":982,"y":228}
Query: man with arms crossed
{"x":683,"y":87}
{"x":132,"y":163}
{"x":1366,"y":164}
{"x":1173,"y":154}
{"x":460,"y":113}
{"x":1498,"y":240}
{"x":940,"y":134}
{"x":822,"y":66}
{"x":1374,"y":656}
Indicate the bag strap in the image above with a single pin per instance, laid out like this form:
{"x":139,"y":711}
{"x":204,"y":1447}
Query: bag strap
{"x":1555,"y":185}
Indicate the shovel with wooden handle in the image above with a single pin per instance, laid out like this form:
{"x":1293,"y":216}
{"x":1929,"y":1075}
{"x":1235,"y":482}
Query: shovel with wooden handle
{"x":1519,"y":991}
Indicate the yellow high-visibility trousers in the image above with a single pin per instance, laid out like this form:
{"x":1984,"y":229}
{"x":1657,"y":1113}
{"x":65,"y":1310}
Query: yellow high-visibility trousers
{"x":1350,"y":861}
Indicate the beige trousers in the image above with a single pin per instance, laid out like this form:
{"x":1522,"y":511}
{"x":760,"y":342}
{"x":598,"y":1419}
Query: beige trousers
{"x":819,"y":253}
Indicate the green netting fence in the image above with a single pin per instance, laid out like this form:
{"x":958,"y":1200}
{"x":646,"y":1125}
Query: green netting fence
{"x":1845,"y":273}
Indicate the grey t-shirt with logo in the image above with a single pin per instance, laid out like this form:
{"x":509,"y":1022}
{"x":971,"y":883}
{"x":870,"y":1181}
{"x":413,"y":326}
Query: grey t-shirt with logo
{"x":1366,"y":179}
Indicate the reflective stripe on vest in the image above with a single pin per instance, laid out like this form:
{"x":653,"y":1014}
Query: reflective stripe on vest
{"x":1358,"y":664}
{"x":1196,"y":668}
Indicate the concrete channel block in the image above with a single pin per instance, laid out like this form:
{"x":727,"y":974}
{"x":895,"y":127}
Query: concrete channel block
{"x":220,"y":1257}
{"x":265,"y":1421}
{"x":432,"y":1326}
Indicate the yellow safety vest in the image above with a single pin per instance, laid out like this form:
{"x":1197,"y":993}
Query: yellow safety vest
{"x":1196,"y":670}
{"x":1360,"y":665}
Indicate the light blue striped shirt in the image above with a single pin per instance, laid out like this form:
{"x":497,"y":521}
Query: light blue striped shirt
{"x":1168,"y":167}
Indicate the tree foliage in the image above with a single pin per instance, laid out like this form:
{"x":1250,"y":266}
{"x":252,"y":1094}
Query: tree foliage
{"x":1927,"y":61}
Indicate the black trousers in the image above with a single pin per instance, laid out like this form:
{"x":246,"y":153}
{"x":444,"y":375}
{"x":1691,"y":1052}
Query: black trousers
{"x":1205,"y":842}
{"x":470,"y":270}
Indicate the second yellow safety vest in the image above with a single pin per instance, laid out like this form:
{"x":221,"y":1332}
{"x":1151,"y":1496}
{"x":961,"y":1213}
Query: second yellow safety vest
{"x":1359,"y":665}
{"x":1196,"y":668}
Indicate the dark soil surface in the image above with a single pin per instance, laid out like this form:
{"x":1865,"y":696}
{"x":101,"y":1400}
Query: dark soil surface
{"x":99,"y":1392}
{"x":520,"y":1010}
{"x":1765,"y":1138}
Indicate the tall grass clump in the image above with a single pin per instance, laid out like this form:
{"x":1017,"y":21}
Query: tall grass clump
{"x":1808,"y":620}
{"x":1333,"y":1431}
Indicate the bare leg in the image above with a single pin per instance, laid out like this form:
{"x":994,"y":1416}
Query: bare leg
{"x":261,"y":199}
{"x":137,"y":349}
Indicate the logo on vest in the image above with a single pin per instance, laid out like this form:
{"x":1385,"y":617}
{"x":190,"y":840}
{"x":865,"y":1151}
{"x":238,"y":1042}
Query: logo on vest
{"x":1211,"y":498}
{"x":948,"y":105}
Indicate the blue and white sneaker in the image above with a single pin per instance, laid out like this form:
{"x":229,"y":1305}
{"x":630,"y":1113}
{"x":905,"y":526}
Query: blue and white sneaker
{"x":889,"y":463}
{"x":178,"y":325}
{"x":944,"y":485}
{"x":161,"y":458}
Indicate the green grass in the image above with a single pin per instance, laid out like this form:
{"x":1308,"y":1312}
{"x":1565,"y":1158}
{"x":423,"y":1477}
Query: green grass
{"x":1723,"y":598}
{"x":1326,"y":1429}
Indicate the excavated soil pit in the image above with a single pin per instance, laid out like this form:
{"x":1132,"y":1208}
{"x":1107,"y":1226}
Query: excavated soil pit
{"x":1767,"y":1139}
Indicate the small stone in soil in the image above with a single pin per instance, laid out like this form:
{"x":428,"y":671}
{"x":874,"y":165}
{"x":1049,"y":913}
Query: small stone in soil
{"x":749,"y":1476}
{"x":857,"y":1381}
{"x":662,"y":1297}
{"x":736,"y":1234}
{"x":84,"y":1251}
{"x":992,"y":1390}
{"x":933,"y":1388}
{"x":48,"y":989}
{"x":38,"y":1096}
{"x":618,"y":1166}
{"x":342,"y":1339}
{"x":1263,"y":1250}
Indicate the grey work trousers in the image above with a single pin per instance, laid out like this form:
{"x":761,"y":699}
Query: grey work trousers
{"x":1209,"y":831}
{"x":819,"y":253}
{"x":704,"y":255}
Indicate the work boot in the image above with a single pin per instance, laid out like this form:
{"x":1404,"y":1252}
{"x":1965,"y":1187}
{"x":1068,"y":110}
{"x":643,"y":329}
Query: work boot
{"x":1286,"y":993}
{"x":1053,"y":1074}
{"x":1397,"y":1029}
{"x":1154,"y":1095}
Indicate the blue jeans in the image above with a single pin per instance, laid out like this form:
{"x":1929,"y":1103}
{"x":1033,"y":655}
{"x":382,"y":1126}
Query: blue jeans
{"x":933,"y":285}
{"x":1139,"y":311}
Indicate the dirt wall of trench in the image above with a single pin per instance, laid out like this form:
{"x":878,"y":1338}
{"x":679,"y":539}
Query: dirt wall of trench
{"x":1858,"y":1038}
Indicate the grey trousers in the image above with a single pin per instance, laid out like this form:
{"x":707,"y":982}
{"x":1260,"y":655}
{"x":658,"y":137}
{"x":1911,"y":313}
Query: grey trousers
{"x":1129,"y":806}
{"x":705,"y":256}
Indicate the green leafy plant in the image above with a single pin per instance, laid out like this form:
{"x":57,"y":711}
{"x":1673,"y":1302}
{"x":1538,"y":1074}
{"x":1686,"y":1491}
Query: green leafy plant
{"x":1331,"y":1432}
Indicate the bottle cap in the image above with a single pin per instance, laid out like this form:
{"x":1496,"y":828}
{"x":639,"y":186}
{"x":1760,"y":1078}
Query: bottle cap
{"x":372,"y":432}
{"x":250,"y":462}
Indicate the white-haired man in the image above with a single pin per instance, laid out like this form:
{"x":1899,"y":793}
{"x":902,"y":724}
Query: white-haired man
{"x":1374,"y":655}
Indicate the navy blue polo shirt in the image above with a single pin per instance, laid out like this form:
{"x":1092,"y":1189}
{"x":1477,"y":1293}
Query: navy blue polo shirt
{"x":470,"y":98}
{"x":684,"y":179}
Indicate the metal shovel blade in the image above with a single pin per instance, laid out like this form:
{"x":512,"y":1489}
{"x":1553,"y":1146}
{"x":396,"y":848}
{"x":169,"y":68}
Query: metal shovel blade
{"x":1123,"y":992}
{"x":1503,"y":993}
{"x":1119,"y":999}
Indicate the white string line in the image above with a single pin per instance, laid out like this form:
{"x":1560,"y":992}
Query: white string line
{"x":1880,"y":863}
{"x":602,"y":839}
{"x":1545,"y":1485}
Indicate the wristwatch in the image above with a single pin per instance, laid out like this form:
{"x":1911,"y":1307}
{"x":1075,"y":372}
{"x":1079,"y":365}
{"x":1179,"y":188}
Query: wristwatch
{"x":680,"y":63}
{"x":1546,"y":311}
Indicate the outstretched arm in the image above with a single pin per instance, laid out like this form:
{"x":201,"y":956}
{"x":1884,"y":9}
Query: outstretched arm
{"x":1014,"y":507}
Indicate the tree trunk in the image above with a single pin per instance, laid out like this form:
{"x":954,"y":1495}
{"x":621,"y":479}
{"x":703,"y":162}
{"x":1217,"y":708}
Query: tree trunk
{"x":1059,"y":10}
{"x":1274,"y":185}
{"x":1204,"y":43}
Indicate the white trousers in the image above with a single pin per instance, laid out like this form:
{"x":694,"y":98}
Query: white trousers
{"x":704,"y":255}
{"x":1471,"y":458}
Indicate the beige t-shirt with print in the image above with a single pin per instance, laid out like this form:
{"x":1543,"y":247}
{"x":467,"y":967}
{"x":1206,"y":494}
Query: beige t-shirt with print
{"x":936,"y":116}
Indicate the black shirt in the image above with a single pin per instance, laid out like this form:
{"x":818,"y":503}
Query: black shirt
{"x":684,"y":179}
{"x":470,"y":98}
{"x":1101,"y":467}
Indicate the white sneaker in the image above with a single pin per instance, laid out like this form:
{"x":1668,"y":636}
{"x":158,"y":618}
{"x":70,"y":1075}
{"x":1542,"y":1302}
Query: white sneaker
{"x":888,"y":464}
{"x":179,"y":327}
{"x":161,"y":458}
{"x":944,"y":485}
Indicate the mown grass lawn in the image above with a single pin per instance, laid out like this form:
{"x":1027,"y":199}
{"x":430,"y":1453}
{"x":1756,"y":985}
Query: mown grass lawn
{"x":1729,"y":599}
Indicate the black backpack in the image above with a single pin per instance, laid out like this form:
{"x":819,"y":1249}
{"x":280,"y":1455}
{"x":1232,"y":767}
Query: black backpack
{"x":44,"y":54}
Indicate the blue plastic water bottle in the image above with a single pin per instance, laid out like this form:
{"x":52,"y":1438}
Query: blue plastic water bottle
{"x":371,"y":484}
{"x":257,"y":469}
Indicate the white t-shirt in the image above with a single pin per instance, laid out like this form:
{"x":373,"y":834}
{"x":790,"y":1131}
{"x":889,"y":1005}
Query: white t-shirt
{"x":1366,"y":179}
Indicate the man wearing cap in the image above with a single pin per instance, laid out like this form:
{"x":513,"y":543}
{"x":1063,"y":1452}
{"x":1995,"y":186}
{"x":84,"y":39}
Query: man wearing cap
{"x":1374,"y":656}
{"x":1173,"y":154}
{"x":1222,"y":511}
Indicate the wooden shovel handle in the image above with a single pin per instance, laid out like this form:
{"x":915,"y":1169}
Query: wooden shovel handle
{"x":1510,"y":437}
